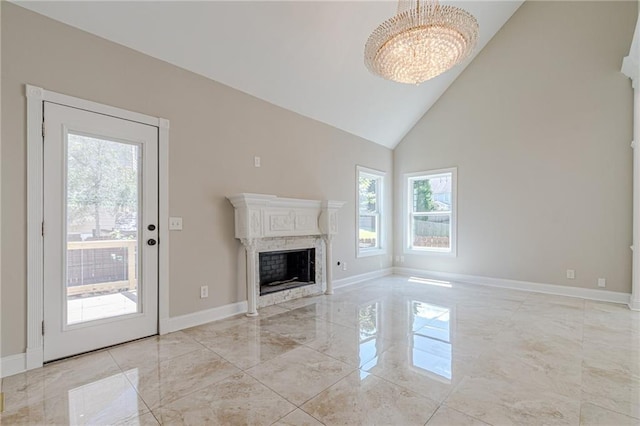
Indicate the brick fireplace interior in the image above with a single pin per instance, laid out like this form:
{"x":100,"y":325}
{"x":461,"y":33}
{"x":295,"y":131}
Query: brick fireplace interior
{"x":283,"y":270}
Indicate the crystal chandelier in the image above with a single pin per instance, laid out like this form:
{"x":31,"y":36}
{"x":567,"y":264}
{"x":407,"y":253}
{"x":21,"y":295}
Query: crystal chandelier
{"x":423,"y":40}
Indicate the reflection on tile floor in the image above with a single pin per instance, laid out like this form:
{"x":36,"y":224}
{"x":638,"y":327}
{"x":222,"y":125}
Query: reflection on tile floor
{"x":391,"y":351}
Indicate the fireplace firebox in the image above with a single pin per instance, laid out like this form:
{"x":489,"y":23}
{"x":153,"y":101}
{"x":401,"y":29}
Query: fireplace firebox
{"x":284,"y":270}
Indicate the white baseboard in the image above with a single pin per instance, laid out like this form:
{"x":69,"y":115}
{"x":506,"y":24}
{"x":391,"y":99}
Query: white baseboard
{"x":634,"y":305}
{"x":13,"y":364}
{"x":343,"y":282}
{"x":558,"y":290}
{"x":202,"y":317}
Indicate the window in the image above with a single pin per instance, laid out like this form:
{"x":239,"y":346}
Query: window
{"x":432,"y":212}
{"x":370,"y":187}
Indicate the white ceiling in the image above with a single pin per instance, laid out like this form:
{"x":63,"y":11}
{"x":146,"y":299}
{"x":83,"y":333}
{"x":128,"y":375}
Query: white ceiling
{"x":305,"y":56}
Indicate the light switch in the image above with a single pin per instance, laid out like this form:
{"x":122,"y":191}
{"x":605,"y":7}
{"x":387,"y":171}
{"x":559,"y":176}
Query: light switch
{"x":175,"y":224}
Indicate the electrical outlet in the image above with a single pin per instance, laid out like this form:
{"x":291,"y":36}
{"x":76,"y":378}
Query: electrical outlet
{"x":175,"y":224}
{"x":602,"y":282}
{"x":256,"y":161}
{"x":344,"y":266}
{"x":204,"y":292}
{"x":571,"y":274}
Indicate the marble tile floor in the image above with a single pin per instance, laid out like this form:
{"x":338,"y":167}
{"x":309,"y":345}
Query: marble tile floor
{"x":391,"y":351}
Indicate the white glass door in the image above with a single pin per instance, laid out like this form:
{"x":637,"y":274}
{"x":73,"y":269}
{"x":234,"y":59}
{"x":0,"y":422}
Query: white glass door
{"x":100,"y":231}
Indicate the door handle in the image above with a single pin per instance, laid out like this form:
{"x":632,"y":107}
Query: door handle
{"x":151,"y":242}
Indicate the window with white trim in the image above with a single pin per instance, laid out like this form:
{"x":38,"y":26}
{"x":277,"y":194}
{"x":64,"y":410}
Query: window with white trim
{"x":369,"y":213}
{"x":431,"y":226}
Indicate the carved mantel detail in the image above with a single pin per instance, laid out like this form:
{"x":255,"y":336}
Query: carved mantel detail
{"x":261,"y":216}
{"x":264,"y":216}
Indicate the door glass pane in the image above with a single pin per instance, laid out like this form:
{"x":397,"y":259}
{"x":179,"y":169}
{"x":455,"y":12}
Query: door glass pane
{"x":102,"y":213}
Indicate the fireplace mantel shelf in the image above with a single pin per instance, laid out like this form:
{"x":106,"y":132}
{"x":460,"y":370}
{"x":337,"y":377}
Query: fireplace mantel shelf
{"x":268,"y":216}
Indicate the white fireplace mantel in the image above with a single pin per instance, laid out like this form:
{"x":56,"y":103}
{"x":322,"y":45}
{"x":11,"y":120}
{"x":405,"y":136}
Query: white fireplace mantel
{"x":260,"y":216}
{"x":265,"y":216}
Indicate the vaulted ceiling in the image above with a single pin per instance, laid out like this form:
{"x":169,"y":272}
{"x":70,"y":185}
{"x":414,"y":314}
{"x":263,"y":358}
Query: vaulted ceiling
{"x":305,"y":56}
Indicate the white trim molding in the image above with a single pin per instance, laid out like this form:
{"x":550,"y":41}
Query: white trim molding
{"x":34,"y":355}
{"x":35,"y":242}
{"x":631,"y":68}
{"x":355,"y":279}
{"x":408,"y":213}
{"x":558,"y":290}
{"x":381,"y":246}
{"x":202,"y":317}
{"x":163,"y":218}
{"x":631,"y":63}
{"x":13,"y":364}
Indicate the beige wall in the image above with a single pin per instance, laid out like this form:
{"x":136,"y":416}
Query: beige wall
{"x":539,"y":126}
{"x":215,"y":133}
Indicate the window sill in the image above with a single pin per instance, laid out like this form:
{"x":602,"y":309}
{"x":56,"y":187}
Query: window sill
{"x":370,"y":252}
{"x":432,"y":252}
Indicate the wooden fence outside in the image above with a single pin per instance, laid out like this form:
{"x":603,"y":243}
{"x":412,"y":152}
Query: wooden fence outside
{"x":104,"y":283}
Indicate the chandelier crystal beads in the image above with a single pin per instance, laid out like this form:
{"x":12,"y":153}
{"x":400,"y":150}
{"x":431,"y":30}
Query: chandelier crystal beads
{"x":423,"y":40}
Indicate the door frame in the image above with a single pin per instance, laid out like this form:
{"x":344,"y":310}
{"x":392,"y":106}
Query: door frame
{"x":36,"y":96}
